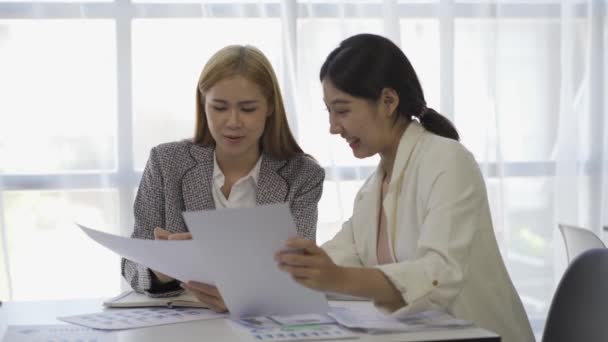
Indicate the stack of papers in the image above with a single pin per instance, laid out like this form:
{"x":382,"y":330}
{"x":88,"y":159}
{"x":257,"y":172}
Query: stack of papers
{"x":366,"y":317}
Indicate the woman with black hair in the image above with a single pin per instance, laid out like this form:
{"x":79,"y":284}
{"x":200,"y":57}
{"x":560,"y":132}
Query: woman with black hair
{"x":421,"y":234}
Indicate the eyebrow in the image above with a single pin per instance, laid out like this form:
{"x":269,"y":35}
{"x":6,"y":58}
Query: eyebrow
{"x":245,"y":102}
{"x":339,"y":101}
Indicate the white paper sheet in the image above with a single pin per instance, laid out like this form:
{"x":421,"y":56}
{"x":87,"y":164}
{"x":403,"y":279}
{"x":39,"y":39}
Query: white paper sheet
{"x":138,"y":318}
{"x":364,"y":315}
{"x":180,"y":259}
{"x":244,"y":241}
{"x":233,"y":249}
{"x":56,"y":332}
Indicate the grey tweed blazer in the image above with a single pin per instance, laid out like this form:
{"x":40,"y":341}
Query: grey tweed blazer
{"x":178,"y":177}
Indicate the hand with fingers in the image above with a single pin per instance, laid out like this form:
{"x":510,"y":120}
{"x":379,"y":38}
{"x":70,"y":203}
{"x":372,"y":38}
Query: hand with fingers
{"x":207,"y":294}
{"x":313,"y":268}
{"x":162,"y":234}
{"x":310,"y":266}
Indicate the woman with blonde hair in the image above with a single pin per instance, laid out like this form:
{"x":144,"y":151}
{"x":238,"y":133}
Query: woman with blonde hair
{"x":243,"y":154}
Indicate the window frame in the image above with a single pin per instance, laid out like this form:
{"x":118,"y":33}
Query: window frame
{"x":125,"y":177}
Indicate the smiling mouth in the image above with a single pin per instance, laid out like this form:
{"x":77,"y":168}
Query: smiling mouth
{"x":352,"y":142}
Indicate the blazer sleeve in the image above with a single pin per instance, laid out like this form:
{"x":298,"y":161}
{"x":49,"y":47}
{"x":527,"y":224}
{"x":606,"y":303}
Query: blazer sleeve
{"x":454,"y":200}
{"x":149,"y":213}
{"x":342,"y":249}
{"x":304,"y":206}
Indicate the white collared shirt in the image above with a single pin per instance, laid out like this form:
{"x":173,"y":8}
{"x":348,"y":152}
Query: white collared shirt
{"x":243,"y":192}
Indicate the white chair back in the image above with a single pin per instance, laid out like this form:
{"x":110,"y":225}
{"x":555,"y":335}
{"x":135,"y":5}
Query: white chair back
{"x":579,"y":240}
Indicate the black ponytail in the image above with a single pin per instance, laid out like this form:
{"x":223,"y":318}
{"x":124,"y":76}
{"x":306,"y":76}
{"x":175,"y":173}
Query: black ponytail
{"x":365,"y":64}
{"x":438,"y":124}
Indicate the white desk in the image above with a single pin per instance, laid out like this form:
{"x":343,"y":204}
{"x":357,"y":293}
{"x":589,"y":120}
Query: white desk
{"x":218,"y":330}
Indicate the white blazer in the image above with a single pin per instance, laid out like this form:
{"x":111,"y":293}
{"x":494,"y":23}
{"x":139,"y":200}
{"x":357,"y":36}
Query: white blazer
{"x":440,"y":234}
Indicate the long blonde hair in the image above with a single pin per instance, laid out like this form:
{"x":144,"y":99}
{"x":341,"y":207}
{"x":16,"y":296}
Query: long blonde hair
{"x":249,"y":62}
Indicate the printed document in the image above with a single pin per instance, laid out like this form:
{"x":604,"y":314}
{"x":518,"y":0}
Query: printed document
{"x":243,"y":243}
{"x":233,"y":249}
{"x":118,"y":319}
{"x":56,"y":332}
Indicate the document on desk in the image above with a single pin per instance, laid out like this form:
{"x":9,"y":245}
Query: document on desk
{"x":180,"y":259}
{"x":364,"y":315}
{"x":317,"y":332}
{"x":290,"y":328}
{"x":118,"y":319}
{"x":244,"y":241}
{"x":56,"y":332}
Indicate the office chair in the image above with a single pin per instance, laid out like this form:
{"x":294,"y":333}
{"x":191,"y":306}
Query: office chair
{"x":578,"y":240}
{"x":580,"y":305}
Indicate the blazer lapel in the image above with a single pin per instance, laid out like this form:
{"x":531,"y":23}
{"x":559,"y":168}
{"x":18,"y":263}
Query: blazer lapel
{"x":408,"y":142}
{"x":365,"y":218}
{"x":272,"y":187}
{"x":196,"y":183}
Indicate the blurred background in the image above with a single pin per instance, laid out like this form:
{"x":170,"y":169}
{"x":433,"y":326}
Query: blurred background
{"x":88,"y":87}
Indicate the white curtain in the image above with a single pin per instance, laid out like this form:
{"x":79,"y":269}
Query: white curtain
{"x":88,"y":88}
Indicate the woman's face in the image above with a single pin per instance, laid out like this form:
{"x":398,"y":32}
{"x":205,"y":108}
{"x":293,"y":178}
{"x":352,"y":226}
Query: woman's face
{"x":364,"y":124}
{"x":236,"y":111}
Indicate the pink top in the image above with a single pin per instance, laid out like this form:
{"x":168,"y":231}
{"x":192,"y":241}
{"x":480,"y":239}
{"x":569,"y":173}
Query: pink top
{"x":382,"y":248}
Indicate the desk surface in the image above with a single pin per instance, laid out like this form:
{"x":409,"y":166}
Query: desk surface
{"x":45,"y":312}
